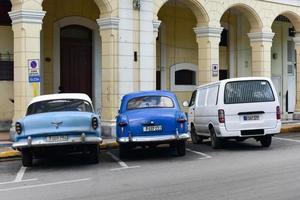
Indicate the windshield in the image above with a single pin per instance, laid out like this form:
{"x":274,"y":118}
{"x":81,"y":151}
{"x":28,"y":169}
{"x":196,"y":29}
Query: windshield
{"x":59,"y":105}
{"x":248,"y":92}
{"x":150,"y":102}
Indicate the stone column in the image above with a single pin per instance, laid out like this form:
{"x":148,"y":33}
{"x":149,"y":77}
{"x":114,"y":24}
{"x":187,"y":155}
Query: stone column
{"x":26,"y":25}
{"x":261,"y":44}
{"x":297,"y":48}
{"x":208,"y":39}
{"x":110,"y":76}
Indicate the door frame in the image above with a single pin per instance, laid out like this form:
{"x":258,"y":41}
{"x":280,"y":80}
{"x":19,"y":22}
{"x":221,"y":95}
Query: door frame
{"x":96,"y":57}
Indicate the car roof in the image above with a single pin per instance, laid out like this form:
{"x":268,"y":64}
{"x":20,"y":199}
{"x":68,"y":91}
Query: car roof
{"x":235,"y":79}
{"x":80,"y":96}
{"x":149,"y":93}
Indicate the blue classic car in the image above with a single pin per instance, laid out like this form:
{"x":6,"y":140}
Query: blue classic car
{"x":58,"y":122}
{"x":150,"y":118}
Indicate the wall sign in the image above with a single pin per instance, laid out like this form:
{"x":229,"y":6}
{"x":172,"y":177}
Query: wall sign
{"x":215,"y":69}
{"x":34,"y":75}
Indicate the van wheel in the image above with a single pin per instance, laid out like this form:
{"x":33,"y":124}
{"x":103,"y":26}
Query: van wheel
{"x":26,"y":157}
{"x":196,"y":139}
{"x":216,"y":143}
{"x":180,"y":148}
{"x":123,"y":150}
{"x":266,"y":141}
{"x":94,"y":154}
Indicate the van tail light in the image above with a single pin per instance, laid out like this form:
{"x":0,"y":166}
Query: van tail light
{"x":122,"y":124}
{"x":18,"y":127}
{"x":95,"y":123}
{"x":221,"y":115}
{"x":278,"y":114}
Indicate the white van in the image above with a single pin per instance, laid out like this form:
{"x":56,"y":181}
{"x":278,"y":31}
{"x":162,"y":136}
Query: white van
{"x":237,"y":108}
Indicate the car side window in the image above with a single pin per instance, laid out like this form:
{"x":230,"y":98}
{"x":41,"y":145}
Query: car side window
{"x":193,"y":98}
{"x":212,"y":95}
{"x":202,"y":97}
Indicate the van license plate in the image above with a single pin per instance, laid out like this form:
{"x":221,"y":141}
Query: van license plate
{"x":251,"y":117}
{"x":152,"y":128}
{"x":57,"y":138}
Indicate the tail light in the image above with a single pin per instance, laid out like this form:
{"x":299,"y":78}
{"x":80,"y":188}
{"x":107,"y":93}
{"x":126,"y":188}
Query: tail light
{"x":221,"y":115}
{"x":122,"y":124}
{"x":278,"y":114}
{"x":181,"y":121}
{"x":18,"y":128}
{"x":95,"y":123}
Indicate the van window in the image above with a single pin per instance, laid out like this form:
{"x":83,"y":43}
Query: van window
{"x":193,"y":98}
{"x":212,"y":95}
{"x":202,"y":97}
{"x":248,"y":92}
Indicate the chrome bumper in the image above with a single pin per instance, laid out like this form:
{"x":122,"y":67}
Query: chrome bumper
{"x":163,"y":138}
{"x":29,"y":142}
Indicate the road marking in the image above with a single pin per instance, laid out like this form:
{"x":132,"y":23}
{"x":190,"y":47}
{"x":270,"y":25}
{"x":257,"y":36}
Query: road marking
{"x":205,"y":156}
{"x":44,"y":185}
{"x":10,"y":182}
{"x":20,"y":174}
{"x":286,"y":139}
{"x":121,"y":163}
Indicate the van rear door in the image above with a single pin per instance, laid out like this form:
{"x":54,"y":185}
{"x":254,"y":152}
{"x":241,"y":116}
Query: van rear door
{"x":250,"y":104}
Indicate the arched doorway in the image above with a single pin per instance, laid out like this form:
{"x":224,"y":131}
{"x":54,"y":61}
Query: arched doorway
{"x":76,"y":59}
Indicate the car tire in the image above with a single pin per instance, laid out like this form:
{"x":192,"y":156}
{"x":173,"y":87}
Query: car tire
{"x":216,"y":143}
{"x":180,"y":147}
{"x":123,"y":151}
{"x":94,"y":151}
{"x":266,"y":141}
{"x":26,"y":157}
{"x":196,"y":139}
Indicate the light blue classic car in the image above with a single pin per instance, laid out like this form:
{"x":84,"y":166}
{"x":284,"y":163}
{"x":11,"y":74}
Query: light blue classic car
{"x":150,"y":118}
{"x":58,"y":122}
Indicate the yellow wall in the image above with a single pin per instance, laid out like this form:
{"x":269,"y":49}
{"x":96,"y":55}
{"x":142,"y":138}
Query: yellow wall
{"x":181,"y":45}
{"x":57,"y":10}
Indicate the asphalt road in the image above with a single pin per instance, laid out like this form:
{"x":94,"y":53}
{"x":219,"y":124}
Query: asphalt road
{"x":240,"y":171}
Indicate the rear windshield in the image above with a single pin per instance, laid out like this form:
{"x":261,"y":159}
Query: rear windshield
{"x":59,"y":105}
{"x":150,"y":102}
{"x":248,"y":92}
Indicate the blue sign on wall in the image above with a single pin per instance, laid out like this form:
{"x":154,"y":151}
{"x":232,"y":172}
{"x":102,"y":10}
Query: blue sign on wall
{"x":34,"y":79}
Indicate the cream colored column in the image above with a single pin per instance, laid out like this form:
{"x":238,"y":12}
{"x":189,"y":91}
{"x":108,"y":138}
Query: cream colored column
{"x":110,"y":92}
{"x":26,"y":25}
{"x":208,"y":39}
{"x":261,"y":44}
{"x":297,"y":48}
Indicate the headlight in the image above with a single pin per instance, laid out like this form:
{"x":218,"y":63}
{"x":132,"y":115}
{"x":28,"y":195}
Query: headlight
{"x":95,"y":123}
{"x":18,"y":128}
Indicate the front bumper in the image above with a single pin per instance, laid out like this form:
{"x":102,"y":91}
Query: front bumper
{"x":161,"y":138}
{"x":41,"y":142}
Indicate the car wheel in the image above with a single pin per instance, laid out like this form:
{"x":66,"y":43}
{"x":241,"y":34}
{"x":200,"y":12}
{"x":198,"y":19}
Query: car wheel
{"x":94,"y":152}
{"x":123,"y":150}
{"x":216,"y":143}
{"x":266,"y":141}
{"x":26,"y":157}
{"x":196,"y":139}
{"x":181,"y":147}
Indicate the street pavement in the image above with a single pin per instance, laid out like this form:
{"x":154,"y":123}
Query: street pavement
{"x":241,"y":171}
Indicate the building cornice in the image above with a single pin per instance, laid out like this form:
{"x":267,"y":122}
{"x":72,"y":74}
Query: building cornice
{"x":261,"y":37}
{"x":208,"y":31}
{"x":27,"y":16}
{"x":108,"y":23}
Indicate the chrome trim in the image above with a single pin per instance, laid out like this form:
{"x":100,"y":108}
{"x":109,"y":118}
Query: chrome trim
{"x":43,"y":143}
{"x":183,"y":136}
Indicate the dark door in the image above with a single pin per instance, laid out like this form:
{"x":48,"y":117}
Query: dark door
{"x":76,"y":60}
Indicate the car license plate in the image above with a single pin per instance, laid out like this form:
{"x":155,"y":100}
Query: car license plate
{"x":251,"y":117}
{"x":152,"y":128}
{"x":57,"y":138}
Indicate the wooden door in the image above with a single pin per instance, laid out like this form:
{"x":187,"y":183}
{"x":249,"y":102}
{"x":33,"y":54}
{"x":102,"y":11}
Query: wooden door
{"x":76,"y":60}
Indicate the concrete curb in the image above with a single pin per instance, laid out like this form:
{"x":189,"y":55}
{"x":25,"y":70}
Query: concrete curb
{"x":290,"y":128}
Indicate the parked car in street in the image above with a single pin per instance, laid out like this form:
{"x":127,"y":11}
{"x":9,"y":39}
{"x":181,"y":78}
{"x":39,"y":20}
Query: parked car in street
{"x":238,"y":108}
{"x":58,"y":122}
{"x":150,"y":118}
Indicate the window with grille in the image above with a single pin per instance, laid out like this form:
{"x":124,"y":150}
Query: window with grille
{"x":185,"y":77}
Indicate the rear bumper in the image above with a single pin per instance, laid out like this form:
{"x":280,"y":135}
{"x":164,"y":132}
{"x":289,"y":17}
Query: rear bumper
{"x":41,"y":142}
{"x":223,"y":132}
{"x":163,"y":138}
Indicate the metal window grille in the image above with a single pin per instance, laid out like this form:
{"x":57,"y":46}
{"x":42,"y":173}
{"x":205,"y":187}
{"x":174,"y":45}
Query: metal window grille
{"x":6,"y":67}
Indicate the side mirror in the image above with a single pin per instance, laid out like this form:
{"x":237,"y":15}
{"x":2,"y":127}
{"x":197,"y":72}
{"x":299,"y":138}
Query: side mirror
{"x":185,"y":103}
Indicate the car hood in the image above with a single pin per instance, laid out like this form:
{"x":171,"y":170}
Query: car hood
{"x":56,"y":122}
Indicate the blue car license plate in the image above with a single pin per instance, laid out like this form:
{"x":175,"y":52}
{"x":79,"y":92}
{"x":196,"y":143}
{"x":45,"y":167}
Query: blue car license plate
{"x":57,"y":138}
{"x":251,"y":117}
{"x":152,"y":128}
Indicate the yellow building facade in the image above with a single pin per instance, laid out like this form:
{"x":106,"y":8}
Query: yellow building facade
{"x":107,"y":48}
